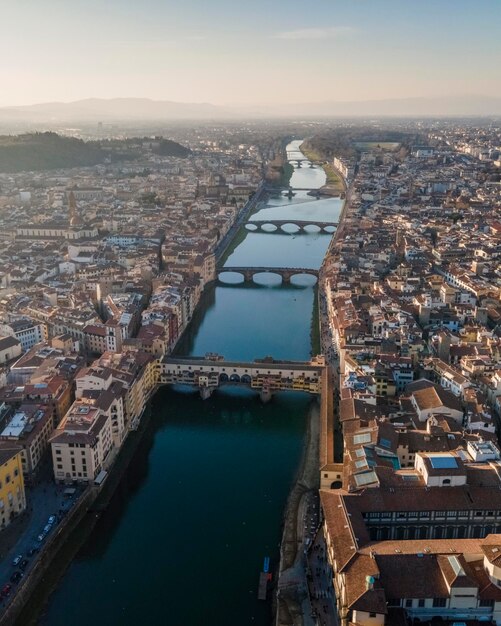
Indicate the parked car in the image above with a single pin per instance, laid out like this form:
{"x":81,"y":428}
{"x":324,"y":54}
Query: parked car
{"x":47,"y":528}
{"x":23,"y":564}
{"x":52,"y":519}
{"x":16,"y":577}
{"x":5,"y":590}
{"x":17,"y":559}
{"x":41,"y":537}
{"x":32,"y":551}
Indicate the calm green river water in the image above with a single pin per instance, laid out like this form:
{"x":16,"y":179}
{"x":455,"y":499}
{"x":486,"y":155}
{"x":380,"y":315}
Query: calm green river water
{"x":183,"y":540}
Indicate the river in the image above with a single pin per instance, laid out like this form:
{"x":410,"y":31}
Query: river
{"x":202,"y":502}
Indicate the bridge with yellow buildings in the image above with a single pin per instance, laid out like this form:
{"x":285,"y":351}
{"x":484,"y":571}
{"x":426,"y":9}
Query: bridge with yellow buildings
{"x":265,"y":376}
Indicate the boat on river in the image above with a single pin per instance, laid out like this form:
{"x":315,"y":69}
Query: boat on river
{"x":264,"y":578}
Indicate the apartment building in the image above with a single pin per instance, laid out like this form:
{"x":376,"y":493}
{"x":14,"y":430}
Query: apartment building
{"x":12,"y":493}
{"x":30,"y":428}
{"x":82,"y":443}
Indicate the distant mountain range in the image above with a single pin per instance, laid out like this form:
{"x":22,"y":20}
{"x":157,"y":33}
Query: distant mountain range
{"x":97,"y":109}
{"x":122,"y":109}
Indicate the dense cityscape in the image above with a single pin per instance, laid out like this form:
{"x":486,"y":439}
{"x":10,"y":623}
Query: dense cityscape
{"x":104,"y":268}
{"x":250,"y":313}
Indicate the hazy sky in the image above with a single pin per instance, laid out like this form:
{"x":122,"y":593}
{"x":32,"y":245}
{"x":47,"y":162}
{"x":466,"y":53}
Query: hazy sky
{"x":248,"y":51}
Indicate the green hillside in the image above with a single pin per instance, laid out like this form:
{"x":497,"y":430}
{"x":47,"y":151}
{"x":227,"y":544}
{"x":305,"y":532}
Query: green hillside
{"x":45,"y":151}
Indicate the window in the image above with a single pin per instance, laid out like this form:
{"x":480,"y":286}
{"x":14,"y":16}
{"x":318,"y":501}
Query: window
{"x":486,"y":603}
{"x":408,"y":602}
{"x":439,"y":602}
{"x":372,"y":615}
{"x":421,"y":602}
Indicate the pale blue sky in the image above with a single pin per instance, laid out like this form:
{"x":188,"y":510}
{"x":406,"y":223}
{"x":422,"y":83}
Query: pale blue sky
{"x":260,"y":51}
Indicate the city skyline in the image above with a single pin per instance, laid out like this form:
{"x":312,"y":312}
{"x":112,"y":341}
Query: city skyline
{"x":344,"y":52}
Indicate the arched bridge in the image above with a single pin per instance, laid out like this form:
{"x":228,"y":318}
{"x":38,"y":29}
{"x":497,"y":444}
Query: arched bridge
{"x":299,"y":162}
{"x":265,"y":375}
{"x":285,"y":272}
{"x":290,"y":192}
{"x":301,"y":224}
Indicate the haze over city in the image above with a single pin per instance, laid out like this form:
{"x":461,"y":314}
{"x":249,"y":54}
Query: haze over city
{"x":235,"y":54}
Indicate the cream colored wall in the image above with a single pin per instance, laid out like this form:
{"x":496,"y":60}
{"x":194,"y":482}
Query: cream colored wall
{"x":361,"y":618}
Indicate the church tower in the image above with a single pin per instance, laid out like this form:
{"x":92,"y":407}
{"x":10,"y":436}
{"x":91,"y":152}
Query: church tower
{"x":75,"y":219}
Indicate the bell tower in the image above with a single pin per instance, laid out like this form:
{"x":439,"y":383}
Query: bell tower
{"x":75,"y":219}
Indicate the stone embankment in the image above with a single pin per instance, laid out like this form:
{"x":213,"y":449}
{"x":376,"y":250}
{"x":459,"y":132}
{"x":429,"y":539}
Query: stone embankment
{"x":292,"y":596}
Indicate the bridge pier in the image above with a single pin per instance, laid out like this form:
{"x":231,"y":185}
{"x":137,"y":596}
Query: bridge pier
{"x":205,"y":392}
{"x":265,"y":395}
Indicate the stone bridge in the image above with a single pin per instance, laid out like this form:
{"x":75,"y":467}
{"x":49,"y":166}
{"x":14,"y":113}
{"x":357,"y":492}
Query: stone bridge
{"x":299,"y":162}
{"x":279,"y":224}
{"x":265,"y":375}
{"x":285,"y":272}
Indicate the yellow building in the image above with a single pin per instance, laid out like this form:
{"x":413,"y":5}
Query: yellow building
{"x":12,"y":494}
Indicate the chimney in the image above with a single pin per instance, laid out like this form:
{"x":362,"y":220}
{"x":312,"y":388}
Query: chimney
{"x":369,"y":582}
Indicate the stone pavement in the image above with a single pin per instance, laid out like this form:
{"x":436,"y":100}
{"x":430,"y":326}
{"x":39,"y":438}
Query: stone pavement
{"x":319,"y":575}
{"x":43,"y":499}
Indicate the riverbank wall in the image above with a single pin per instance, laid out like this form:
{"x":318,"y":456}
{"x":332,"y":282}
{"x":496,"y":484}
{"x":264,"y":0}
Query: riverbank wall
{"x":70,"y":535}
{"x":240,"y":220}
{"x":28,"y":585}
{"x":292,"y":589}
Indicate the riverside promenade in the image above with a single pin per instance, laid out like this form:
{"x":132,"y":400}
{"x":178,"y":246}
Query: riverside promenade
{"x":242,"y":217}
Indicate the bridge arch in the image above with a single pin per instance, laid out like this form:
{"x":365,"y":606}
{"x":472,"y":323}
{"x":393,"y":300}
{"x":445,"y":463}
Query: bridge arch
{"x":303,"y":279}
{"x":231,"y":277}
{"x":291,"y":228}
{"x":312,"y":228}
{"x":267,"y":278}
